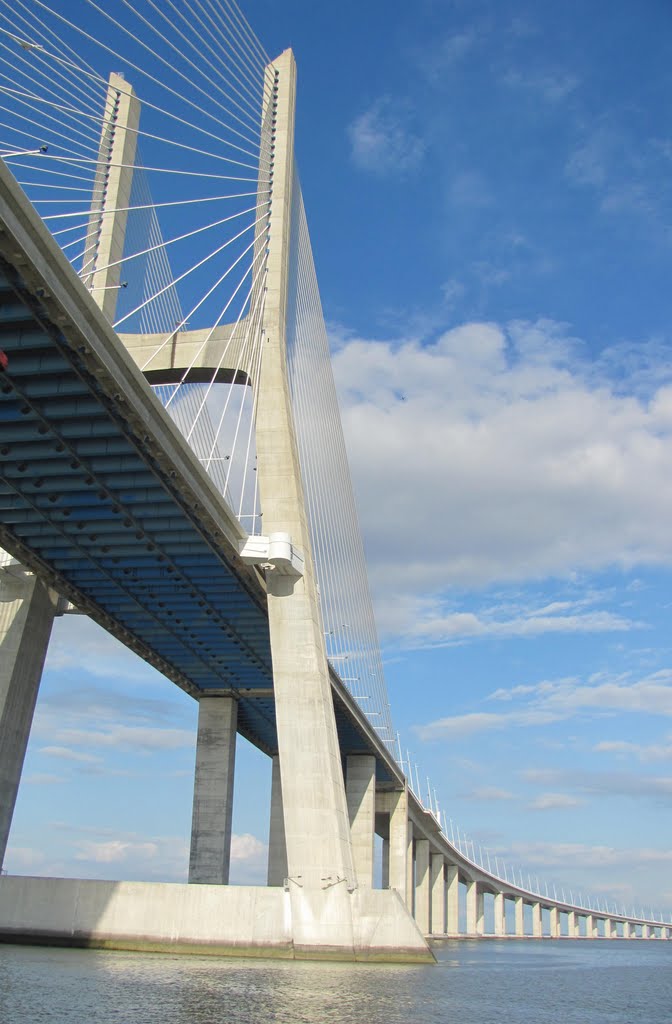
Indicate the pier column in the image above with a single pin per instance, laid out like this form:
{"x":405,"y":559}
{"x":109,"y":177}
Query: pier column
{"x":360,"y":790}
{"x":27,"y":610}
{"x":536,"y":920}
{"x":555,"y":923}
{"x":520,"y":917}
{"x":398,"y":859}
{"x":611,"y":929}
{"x":500,"y":914}
{"x":452,"y":900}
{"x":590,"y":927}
{"x":385,"y":866}
{"x":628,"y":930}
{"x":422,"y":887}
{"x":646,"y":931}
{"x":572,"y":924}
{"x":438,"y":883}
{"x":474,"y":909}
{"x":277,"y":849}
{"x":213,"y":790}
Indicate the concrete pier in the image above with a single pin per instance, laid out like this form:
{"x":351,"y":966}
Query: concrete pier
{"x":213,"y":791}
{"x":361,"y":798}
{"x":422,"y":885}
{"x":27,"y":610}
{"x":520,"y":917}
{"x":277,"y":848}
{"x":475,"y":920}
{"x":500,"y":914}
{"x":452,"y":899}
{"x":536,"y":920}
{"x":438,"y":896}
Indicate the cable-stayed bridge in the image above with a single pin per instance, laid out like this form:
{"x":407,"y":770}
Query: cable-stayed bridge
{"x":173,"y":465}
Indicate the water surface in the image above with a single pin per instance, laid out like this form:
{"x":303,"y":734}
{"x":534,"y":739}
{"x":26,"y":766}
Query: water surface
{"x":491,"y":982}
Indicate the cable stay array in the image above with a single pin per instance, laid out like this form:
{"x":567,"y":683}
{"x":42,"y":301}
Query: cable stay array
{"x":188,"y":178}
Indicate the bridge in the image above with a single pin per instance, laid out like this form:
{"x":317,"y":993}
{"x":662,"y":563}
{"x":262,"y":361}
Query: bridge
{"x":216,"y":539}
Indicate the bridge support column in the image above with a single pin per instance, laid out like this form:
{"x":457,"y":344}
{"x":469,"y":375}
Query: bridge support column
{"x":628,"y":930}
{"x":520,"y":917}
{"x":422,"y":887}
{"x":611,"y":929}
{"x":277,"y":848}
{"x":646,"y":931}
{"x":360,"y":789}
{"x":591,"y":930}
{"x":27,"y":610}
{"x":452,"y":900}
{"x":399,"y":852}
{"x":474,"y":909}
{"x":572,"y":924}
{"x":500,"y":914}
{"x":438,"y":883}
{"x":385,"y":867}
{"x":555,"y":923}
{"x":536,"y":920}
{"x":213,"y":790}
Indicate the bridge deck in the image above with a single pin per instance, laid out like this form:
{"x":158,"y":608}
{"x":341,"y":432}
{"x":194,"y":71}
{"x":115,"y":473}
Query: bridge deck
{"x":101,"y":496}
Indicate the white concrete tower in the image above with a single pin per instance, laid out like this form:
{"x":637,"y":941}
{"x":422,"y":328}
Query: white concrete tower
{"x":317,"y":831}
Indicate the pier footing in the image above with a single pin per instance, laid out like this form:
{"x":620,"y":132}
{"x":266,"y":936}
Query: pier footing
{"x":218,"y":920}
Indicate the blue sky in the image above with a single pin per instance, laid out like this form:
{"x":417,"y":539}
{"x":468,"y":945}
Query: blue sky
{"x":488,"y":192}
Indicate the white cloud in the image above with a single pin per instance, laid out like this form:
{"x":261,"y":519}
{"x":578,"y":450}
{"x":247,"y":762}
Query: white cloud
{"x":464,"y":625}
{"x":80,"y":643}
{"x":470,"y":189}
{"x":550,"y":85}
{"x":66,"y":754}
{"x":140,"y":739}
{"x":114,"y":851}
{"x":383,"y":140}
{"x":498,"y":454}
{"x":643,"y":751}
{"x":247,"y":847}
{"x":562,"y":854}
{"x":43,"y":779}
{"x":554,"y":802}
{"x":559,"y":700}
{"x":490,"y":793}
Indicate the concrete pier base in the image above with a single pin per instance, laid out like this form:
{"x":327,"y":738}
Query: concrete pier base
{"x":219,"y":920}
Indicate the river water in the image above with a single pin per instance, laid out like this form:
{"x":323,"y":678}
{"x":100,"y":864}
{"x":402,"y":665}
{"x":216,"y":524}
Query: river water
{"x":487,"y":982}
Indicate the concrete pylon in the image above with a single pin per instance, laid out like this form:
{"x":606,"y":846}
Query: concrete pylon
{"x":27,"y":610}
{"x":317,"y":829}
{"x":101,"y":267}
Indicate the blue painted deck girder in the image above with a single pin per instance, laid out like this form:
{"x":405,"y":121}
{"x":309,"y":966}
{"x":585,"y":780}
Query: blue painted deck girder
{"x":82,"y":500}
